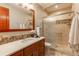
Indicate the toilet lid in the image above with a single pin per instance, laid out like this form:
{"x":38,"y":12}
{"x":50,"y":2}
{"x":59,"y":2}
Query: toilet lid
{"x":47,"y":44}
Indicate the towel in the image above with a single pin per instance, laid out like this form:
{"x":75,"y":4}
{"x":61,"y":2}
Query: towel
{"x":74,"y":33}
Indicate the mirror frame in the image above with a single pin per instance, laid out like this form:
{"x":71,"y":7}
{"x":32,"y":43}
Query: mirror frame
{"x":14,"y":30}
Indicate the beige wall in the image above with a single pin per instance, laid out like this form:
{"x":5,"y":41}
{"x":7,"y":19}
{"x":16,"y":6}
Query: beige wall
{"x":75,"y":7}
{"x":39,"y":16}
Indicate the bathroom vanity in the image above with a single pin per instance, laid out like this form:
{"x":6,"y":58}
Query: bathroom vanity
{"x":36,"y":49}
{"x":25,"y":47}
{"x":19,"y":44}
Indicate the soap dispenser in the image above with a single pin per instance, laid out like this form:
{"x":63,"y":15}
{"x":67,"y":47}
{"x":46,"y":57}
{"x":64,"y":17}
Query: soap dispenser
{"x":38,"y":31}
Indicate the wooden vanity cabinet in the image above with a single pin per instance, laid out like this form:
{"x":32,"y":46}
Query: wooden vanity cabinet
{"x":39,"y":48}
{"x":36,"y":49}
{"x":18,"y":53}
{"x":28,"y":51}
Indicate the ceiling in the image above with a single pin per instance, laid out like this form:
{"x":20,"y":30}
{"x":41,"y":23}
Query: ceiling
{"x":50,"y":8}
{"x":55,"y":7}
{"x":46,"y":5}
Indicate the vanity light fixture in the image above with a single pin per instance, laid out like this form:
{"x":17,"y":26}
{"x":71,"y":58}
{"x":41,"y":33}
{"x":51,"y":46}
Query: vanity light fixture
{"x":26,"y":6}
{"x":29,"y":6}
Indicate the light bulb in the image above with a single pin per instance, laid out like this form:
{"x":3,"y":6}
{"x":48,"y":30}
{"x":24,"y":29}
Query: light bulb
{"x":56,"y":6}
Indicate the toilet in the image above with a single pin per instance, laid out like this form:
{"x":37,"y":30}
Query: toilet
{"x":47,"y":44}
{"x":47,"y":48}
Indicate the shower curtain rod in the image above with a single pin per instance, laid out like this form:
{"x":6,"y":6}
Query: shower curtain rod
{"x":67,"y":13}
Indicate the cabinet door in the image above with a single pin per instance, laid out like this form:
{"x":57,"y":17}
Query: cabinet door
{"x":41,"y":51}
{"x":36,"y":49}
{"x":28,"y":51}
{"x":41,"y":48}
{"x":19,"y":53}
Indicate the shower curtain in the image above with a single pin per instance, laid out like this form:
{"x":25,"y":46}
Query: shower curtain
{"x":74,"y":34}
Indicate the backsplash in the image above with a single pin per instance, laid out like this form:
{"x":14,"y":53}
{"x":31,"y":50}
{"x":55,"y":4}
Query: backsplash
{"x":13,"y":36}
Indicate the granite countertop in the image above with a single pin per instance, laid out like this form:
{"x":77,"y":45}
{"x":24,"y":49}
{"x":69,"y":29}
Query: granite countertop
{"x":9,"y":48}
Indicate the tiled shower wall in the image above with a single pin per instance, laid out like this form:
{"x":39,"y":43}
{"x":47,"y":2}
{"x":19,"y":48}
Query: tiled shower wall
{"x":56,"y":34}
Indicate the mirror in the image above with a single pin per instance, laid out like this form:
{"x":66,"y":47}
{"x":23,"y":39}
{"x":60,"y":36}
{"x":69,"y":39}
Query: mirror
{"x":15,"y":17}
